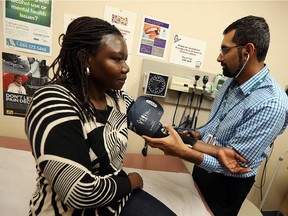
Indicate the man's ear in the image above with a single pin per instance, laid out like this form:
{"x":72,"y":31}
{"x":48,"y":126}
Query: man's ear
{"x":250,"y":49}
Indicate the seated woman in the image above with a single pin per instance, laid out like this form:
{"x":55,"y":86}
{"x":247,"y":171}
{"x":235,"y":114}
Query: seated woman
{"x":77,"y":128}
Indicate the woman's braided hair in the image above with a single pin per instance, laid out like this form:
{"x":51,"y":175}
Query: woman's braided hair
{"x":83,"y":38}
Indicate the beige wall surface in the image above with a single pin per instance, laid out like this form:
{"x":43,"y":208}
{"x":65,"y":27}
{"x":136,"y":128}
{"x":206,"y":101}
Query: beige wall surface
{"x":202,"y":20}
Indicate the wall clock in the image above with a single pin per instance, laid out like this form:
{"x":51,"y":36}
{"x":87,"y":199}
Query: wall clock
{"x":156,"y":84}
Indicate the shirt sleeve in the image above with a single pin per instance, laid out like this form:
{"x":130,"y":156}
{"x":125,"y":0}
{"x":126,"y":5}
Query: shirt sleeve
{"x":211,"y":164}
{"x":260,"y":127}
{"x":11,"y":88}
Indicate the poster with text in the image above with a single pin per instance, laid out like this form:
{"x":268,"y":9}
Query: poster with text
{"x":22,"y":76}
{"x":125,"y":21}
{"x":27,"y":26}
{"x":154,"y":37}
{"x":187,"y":51}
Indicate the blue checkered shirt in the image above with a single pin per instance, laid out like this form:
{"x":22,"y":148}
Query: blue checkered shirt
{"x":255,"y":113}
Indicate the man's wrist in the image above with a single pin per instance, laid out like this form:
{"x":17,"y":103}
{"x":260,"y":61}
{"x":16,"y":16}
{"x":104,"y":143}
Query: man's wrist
{"x":217,"y":150}
{"x":191,"y":155}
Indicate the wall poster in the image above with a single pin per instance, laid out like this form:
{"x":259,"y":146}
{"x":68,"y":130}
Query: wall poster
{"x":154,"y":37}
{"x":22,"y":76}
{"x":187,"y":51}
{"x":27,"y":26}
{"x":124,"y":20}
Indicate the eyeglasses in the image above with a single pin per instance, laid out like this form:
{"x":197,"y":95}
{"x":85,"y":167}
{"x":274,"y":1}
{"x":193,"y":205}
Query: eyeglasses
{"x":225,"y":49}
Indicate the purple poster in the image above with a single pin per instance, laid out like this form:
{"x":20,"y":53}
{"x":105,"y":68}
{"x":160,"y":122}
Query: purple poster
{"x":154,"y":37}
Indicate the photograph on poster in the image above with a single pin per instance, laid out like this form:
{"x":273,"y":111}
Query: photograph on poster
{"x":22,"y":76}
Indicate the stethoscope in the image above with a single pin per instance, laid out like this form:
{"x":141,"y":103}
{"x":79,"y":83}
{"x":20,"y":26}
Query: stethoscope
{"x":223,"y":98}
{"x":212,"y":118}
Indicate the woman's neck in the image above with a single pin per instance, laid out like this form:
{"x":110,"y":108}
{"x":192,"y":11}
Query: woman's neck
{"x":99,"y":103}
{"x":97,"y":98}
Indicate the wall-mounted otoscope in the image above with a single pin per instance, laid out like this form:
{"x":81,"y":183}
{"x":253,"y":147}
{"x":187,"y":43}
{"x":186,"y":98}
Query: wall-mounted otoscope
{"x":187,"y":121}
{"x":205,"y":81}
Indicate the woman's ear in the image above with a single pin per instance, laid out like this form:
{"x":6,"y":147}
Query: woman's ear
{"x":89,"y":62}
{"x":83,"y":57}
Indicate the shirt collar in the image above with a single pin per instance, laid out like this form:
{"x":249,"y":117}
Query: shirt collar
{"x":249,"y":85}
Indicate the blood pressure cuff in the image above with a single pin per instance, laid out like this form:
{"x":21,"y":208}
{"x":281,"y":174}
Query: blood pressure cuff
{"x":144,"y":116}
{"x":144,"y":119}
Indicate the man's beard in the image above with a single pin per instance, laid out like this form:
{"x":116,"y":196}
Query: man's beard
{"x":228,"y":73}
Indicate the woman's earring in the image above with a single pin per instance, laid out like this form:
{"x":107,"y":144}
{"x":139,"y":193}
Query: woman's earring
{"x":87,"y":71}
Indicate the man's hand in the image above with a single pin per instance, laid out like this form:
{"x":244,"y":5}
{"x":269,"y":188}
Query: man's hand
{"x":174,"y":145}
{"x":28,"y":74}
{"x":170,"y":145}
{"x":230,"y":159}
{"x":192,"y":133}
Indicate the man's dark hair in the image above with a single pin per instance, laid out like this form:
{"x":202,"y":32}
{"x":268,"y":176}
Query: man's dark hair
{"x":251,"y":29}
{"x":16,"y":76}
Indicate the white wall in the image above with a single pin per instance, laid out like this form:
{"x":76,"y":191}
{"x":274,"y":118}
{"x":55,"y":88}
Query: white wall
{"x":196,"y":19}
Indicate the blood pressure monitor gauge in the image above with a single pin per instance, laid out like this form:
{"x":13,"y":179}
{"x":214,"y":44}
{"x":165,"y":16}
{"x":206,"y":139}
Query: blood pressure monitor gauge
{"x":156,"y":84}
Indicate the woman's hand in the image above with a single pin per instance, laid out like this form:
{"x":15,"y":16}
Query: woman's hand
{"x":135,"y":180}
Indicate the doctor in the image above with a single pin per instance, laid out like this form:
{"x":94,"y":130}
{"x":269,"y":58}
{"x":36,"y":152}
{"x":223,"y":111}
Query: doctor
{"x":248,"y":113}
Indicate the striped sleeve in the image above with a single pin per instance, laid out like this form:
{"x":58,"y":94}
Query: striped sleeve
{"x":56,"y":133}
